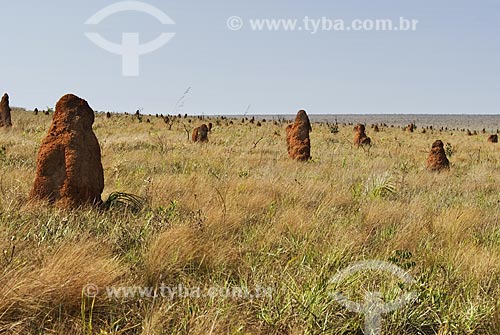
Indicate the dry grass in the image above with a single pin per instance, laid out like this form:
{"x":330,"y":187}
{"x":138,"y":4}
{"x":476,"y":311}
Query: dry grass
{"x":238,"y":212}
{"x":51,"y":287}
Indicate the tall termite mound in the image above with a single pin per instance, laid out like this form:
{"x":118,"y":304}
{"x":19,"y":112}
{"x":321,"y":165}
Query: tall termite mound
{"x":69,"y":171}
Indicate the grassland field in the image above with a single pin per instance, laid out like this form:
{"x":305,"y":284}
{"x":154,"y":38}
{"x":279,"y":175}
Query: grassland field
{"x":237,"y":212}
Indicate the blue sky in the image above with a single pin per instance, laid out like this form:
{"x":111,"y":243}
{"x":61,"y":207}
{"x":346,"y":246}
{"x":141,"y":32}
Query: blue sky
{"x":449,"y":65}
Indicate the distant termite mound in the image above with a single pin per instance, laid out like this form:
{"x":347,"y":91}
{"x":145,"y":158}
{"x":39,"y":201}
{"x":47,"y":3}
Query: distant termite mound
{"x":297,"y":137}
{"x":410,"y":128}
{"x":200,"y":134}
{"x":360,"y":138}
{"x":5,"y":120}
{"x":437,"y":159}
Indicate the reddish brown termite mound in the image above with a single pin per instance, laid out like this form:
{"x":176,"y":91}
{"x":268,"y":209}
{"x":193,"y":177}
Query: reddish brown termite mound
{"x":493,"y":138}
{"x":69,"y":171}
{"x":360,"y":138}
{"x":410,"y":128}
{"x":5,"y":120}
{"x":297,"y":137}
{"x":200,"y":134}
{"x":437,"y":159}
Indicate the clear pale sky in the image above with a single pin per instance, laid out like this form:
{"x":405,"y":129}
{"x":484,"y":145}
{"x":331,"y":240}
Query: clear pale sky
{"x":451,"y":64}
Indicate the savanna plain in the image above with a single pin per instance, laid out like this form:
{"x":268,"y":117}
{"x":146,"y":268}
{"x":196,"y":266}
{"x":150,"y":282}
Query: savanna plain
{"x":236,"y":212}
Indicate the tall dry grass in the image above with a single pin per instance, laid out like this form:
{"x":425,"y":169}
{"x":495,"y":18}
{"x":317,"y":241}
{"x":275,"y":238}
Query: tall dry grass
{"x":238,"y":212}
